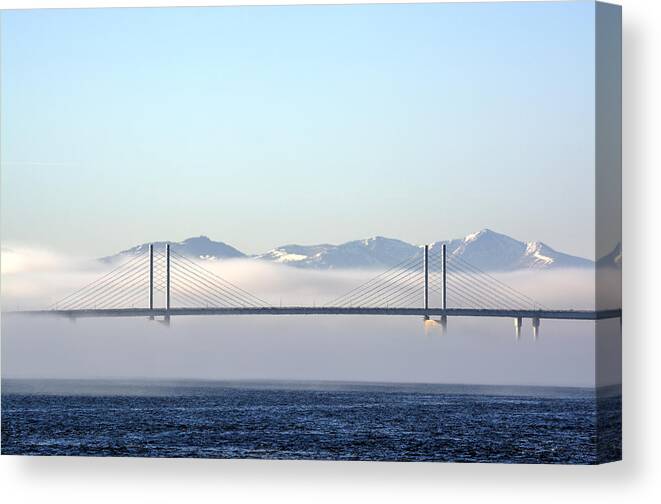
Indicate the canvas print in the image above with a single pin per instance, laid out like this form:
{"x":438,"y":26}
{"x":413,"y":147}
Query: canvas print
{"x":332,"y":232}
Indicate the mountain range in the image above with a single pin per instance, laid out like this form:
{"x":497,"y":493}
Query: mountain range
{"x":486,"y":249}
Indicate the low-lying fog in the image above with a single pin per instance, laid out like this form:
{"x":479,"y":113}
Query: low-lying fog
{"x":349,"y":348}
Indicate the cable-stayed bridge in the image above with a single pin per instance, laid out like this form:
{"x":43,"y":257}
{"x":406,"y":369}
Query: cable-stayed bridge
{"x":426,"y":284}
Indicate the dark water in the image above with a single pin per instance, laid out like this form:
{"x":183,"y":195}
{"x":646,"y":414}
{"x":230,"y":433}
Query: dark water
{"x":311,"y":421}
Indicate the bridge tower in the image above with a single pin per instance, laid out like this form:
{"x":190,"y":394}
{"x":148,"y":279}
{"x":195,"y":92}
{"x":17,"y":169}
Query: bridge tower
{"x":444,"y":298}
{"x":426,"y":266}
{"x":444,"y":271}
{"x":167,"y":276}
{"x":151,"y":276}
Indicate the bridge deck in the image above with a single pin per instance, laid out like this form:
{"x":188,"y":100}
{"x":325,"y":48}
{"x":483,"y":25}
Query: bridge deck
{"x":312,"y":310}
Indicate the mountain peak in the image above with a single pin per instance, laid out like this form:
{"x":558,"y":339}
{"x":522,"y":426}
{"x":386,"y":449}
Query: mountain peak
{"x":485,"y":249}
{"x":485,"y":233}
{"x":201,"y":238}
{"x":200,"y":247}
{"x":376,"y":240}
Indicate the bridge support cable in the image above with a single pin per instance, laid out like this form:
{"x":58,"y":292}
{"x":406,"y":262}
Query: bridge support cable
{"x":501,"y":285}
{"x":136,"y":284}
{"x":483,"y":289}
{"x":188,"y":286}
{"x":458,"y":299}
{"x":458,"y":284}
{"x":193,"y":286}
{"x":105,"y":291}
{"x":406,"y":298}
{"x":384,"y":294}
{"x":112,"y":291}
{"x":106,"y":287}
{"x":486,"y":297}
{"x":186,"y":295}
{"x":181,"y":281}
{"x":99,"y":282}
{"x":486,"y":282}
{"x":386,"y":287}
{"x":185,"y":283}
{"x":214,"y":293}
{"x":214,"y":286}
{"x":374,"y":283}
{"x":491,"y":294}
{"x":406,"y":291}
{"x":135,"y":295}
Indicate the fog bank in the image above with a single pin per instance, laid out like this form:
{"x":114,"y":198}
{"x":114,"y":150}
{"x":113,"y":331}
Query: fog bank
{"x":353,"y":348}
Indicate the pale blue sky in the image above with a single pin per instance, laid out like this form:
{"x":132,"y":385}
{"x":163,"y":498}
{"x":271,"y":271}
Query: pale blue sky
{"x":260,"y":126}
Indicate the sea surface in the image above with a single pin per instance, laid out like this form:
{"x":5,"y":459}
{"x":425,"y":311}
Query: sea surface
{"x":310,"y":420}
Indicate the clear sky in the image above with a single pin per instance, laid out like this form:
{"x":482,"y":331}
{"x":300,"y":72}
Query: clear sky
{"x":261,"y":126}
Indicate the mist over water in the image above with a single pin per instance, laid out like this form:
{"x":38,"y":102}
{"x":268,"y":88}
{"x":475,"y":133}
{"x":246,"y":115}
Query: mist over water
{"x":392,"y":349}
{"x":353,"y":348}
{"x":35,"y":279}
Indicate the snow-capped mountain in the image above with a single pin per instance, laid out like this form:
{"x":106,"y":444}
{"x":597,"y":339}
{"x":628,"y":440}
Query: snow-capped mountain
{"x":486,"y":249}
{"x":369,"y":253}
{"x":200,"y":247}
{"x":491,"y":251}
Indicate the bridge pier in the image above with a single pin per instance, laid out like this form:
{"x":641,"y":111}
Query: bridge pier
{"x":518,"y":322}
{"x":444,"y":324}
{"x":535,"y":327}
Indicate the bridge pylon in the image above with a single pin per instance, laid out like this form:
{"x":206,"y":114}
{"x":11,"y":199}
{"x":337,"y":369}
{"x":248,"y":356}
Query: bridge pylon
{"x":151,"y":276}
{"x":426,"y":269}
{"x":167,"y":276}
{"x":444,"y":297}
